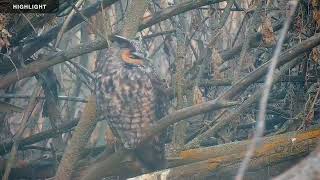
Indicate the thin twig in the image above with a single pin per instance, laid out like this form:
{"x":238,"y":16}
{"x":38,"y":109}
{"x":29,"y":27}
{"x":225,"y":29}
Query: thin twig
{"x":264,"y":99}
{"x":82,"y":69}
{"x":82,"y":78}
{"x":31,"y":25}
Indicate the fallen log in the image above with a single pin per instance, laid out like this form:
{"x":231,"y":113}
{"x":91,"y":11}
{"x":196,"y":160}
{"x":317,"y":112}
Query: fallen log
{"x":203,"y":162}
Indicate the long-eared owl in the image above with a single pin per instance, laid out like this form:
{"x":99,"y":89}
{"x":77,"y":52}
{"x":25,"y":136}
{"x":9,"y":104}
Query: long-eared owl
{"x":130,"y":98}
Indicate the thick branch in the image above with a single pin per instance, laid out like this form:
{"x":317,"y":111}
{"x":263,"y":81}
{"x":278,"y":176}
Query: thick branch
{"x":62,"y":98}
{"x":79,"y":140}
{"x":166,"y":121}
{"x":134,"y":18}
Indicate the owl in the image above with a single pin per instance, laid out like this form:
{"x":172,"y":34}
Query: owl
{"x":130,"y":97}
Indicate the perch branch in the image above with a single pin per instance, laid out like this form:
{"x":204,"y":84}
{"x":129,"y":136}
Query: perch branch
{"x":98,"y":170}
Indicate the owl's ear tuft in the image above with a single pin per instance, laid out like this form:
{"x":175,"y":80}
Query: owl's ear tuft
{"x":123,"y":42}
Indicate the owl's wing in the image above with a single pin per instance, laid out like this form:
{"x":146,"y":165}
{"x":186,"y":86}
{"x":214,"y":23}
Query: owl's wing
{"x":162,"y":98}
{"x":152,"y":153}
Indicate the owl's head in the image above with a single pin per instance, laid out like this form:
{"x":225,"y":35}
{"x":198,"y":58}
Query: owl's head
{"x":131,"y":51}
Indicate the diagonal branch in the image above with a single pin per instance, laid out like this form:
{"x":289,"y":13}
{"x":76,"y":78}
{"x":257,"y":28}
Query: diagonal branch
{"x":79,"y":140}
{"x":285,"y":57}
{"x":42,"y":64}
{"x":243,"y":83}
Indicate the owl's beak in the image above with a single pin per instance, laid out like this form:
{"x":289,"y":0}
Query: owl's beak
{"x":138,"y":55}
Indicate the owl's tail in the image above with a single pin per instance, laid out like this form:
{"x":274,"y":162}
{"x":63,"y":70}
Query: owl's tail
{"x":152,"y":155}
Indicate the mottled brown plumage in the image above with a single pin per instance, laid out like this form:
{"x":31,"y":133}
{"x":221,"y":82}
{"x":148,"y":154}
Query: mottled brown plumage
{"x":129,"y":97}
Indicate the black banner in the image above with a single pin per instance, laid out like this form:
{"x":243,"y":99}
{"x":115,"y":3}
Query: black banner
{"x":29,"y":6}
